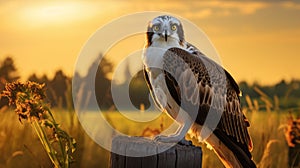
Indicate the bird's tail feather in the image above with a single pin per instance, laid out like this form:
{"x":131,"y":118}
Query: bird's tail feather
{"x":231,"y":154}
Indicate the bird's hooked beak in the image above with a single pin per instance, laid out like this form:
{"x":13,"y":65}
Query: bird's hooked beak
{"x":166,"y":35}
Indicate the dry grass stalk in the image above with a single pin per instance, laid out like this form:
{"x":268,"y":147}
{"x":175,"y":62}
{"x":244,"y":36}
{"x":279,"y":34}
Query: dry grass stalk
{"x":249,"y":102}
{"x":267,"y":159}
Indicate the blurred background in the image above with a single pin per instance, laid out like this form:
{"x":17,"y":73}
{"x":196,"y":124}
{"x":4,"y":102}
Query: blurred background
{"x":257,"y":42}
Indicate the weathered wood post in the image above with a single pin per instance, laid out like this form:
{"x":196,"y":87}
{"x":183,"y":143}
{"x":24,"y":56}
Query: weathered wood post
{"x":177,"y":156}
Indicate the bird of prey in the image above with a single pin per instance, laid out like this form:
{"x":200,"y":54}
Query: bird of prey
{"x":196,"y":92}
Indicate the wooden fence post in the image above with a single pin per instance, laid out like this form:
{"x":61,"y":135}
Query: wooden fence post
{"x":176,"y":156}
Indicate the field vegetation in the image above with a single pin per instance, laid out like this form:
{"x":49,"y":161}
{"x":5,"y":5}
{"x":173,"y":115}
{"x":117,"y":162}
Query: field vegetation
{"x":20,"y":147}
{"x":268,"y":109}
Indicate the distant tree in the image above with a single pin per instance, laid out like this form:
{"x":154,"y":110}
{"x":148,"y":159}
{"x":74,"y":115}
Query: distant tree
{"x":44,"y":79}
{"x":138,"y":90}
{"x":83,"y":88}
{"x":50,"y":91}
{"x":268,"y":90}
{"x":295,"y":85}
{"x":8,"y":73}
{"x":33,"y":78}
{"x":127,"y":73}
{"x":103,"y":83}
{"x":58,"y":87}
{"x":281,"y":88}
{"x":76,"y":79}
{"x":247,"y":89}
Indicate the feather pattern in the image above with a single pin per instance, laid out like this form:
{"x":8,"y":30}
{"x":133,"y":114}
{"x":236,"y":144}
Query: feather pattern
{"x":210,"y":86}
{"x":210,"y":80}
{"x":184,"y":78}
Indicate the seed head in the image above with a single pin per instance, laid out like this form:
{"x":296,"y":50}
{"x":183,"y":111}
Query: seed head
{"x":28,"y":98}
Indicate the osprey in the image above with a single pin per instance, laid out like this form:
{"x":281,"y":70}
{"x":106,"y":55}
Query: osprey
{"x":196,"y":92}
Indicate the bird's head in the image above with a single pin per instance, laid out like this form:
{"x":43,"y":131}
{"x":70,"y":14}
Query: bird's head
{"x":165,"y":29}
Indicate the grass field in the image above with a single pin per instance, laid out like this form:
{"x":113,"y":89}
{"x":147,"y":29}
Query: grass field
{"x":20,"y":147}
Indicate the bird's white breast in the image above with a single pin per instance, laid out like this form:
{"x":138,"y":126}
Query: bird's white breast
{"x":153,"y":57}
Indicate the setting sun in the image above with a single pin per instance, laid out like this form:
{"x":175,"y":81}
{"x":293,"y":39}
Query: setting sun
{"x":79,"y":110}
{"x":50,"y":13}
{"x":50,"y":34}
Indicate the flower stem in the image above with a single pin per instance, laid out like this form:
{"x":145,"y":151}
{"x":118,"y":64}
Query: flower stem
{"x":44,"y":140}
{"x":30,"y":105}
{"x":63,"y":151}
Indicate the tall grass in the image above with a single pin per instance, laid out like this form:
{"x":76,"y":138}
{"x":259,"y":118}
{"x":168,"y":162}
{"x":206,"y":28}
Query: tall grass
{"x":19,"y":149}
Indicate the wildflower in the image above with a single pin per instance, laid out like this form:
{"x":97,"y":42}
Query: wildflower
{"x":28,"y":99}
{"x":292,"y":132}
{"x":30,"y":105}
{"x":292,"y":135}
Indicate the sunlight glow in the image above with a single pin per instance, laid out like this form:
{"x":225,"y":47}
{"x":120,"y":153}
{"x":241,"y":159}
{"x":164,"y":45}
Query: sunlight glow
{"x":249,"y":36}
{"x":49,"y":13}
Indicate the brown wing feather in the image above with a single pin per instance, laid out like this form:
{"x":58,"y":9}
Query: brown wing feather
{"x":233,"y":123}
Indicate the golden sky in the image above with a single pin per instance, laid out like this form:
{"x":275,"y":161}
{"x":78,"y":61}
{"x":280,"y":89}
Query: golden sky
{"x":256,"y":40}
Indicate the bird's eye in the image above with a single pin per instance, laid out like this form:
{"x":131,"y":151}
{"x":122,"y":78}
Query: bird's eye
{"x":155,"y":28}
{"x":174,"y":27}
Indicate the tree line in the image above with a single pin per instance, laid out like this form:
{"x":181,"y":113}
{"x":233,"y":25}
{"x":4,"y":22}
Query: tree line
{"x":282,"y":95}
{"x":59,"y":88}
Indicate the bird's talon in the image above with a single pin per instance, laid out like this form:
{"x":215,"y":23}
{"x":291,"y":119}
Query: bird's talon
{"x":185,"y":142}
{"x":172,"y":139}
